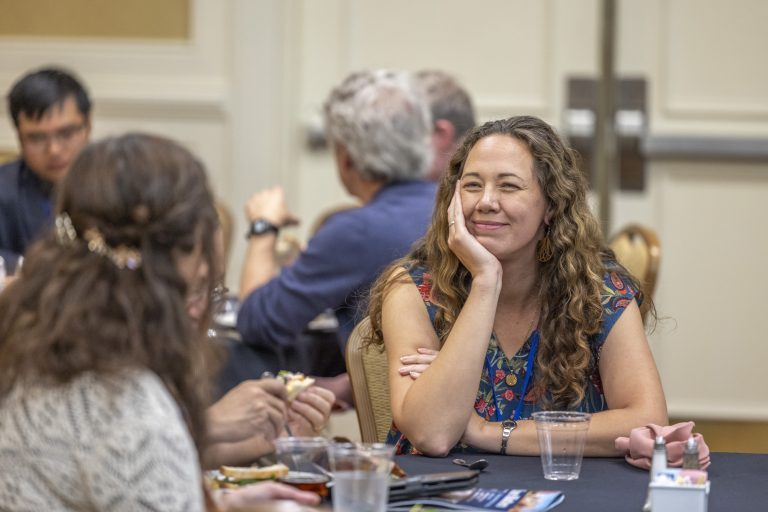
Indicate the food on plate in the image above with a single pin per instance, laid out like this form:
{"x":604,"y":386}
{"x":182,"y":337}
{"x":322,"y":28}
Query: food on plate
{"x":295,"y":383}
{"x":230,"y":477}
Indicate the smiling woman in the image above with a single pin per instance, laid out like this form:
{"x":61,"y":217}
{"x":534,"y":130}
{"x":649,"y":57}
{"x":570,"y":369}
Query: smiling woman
{"x":502,"y":201}
{"x":511,"y":305}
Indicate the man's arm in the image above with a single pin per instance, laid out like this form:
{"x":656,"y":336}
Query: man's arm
{"x":337,"y":261}
{"x":260,"y":265}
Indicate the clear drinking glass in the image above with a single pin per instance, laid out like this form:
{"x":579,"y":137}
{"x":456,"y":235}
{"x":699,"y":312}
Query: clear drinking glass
{"x":307,"y":461}
{"x":562,"y":436}
{"x":360,"y":476}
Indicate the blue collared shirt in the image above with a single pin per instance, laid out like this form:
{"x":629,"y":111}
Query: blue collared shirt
{"x":25,"y":210}
{"x":338,"y":267}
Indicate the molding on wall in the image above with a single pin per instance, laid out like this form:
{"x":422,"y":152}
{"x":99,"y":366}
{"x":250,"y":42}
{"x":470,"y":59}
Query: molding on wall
{"x":196,"y":97}
{"x":205,"y":54}
{"x":705,"y":148}
{"x":155,"y":80}
{"x":170,"y":98}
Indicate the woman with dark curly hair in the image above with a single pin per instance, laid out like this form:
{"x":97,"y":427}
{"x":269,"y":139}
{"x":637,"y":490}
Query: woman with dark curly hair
{"x":510,"y":304}
{"x":105,"y":366}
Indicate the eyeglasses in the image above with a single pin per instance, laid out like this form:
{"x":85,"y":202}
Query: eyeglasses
{"x":38,"y":141}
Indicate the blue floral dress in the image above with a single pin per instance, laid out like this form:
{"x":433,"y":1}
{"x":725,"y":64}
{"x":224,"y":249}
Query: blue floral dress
{"x":503,"y":379}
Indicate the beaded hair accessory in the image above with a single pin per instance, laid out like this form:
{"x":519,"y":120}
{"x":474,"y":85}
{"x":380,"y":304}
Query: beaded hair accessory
{"x":122,"y":256}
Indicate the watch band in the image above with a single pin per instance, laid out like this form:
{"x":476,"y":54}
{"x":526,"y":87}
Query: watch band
{"x":507,"y":426}
{"x":261,"y":227}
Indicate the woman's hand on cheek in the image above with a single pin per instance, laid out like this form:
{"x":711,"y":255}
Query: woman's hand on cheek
{"x":476,"y":258}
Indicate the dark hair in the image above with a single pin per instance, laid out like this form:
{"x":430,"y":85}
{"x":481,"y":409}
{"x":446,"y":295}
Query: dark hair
{"x":37,"y":92}
{"x":75,"y":310}
{"x":448,"y":100}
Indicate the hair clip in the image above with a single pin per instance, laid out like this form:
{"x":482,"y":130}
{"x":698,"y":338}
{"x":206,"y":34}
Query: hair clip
{"x":122,"y":256}
{"x":65,"y":231}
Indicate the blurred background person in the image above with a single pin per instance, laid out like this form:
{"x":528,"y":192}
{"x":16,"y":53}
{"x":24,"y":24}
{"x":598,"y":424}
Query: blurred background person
{"x":51,"y":112}
{"x":453,"y":115}
{"x":106,"y":392}
{"x":379,"y":129}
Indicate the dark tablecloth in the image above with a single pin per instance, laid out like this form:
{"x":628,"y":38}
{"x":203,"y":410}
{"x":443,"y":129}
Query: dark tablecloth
{"x":739,"y":482}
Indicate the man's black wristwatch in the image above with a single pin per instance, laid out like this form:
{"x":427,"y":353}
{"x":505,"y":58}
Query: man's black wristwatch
{"x":261,"y":227}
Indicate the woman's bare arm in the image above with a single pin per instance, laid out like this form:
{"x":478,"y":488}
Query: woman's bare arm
{"x":632,"y":390}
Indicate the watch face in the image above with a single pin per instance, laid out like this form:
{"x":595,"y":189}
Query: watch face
{"x":261,"y":226}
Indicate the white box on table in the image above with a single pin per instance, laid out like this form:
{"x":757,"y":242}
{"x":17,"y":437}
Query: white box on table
{"x":675,"y":498}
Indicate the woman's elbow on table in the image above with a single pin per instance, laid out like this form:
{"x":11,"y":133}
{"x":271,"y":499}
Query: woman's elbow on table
{"x":433,"y":445}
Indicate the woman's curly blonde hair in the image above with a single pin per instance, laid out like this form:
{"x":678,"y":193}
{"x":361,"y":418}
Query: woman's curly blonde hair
{"x":570,"y":283}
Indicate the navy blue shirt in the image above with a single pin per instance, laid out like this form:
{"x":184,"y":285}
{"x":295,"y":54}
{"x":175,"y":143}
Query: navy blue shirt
{"x":338,"y":266}
{"x":25,"y":209}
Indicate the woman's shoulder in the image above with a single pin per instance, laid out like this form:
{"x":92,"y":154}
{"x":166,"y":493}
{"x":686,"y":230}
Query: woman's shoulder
{"x":94,"y":404}
{"x":618,"y":291}
{"x":619,"y":287}
{"x":416,"y":270}
{"x":421,"y":277}
{"x":102,"y":430}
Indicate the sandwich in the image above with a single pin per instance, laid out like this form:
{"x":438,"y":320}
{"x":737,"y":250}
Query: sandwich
{"x":295,"y":383}
{"x":231,"y":477}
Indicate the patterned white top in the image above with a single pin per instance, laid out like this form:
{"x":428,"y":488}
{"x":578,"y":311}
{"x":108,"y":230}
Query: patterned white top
{"x":97,"y":443}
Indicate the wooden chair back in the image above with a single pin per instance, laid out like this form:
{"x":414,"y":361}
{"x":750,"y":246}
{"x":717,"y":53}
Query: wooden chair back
{"x":637,"y":248}
{"x":368,"y":373}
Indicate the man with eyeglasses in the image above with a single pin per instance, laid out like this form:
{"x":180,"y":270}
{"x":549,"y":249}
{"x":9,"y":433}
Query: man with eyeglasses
{"x":51,"y":113}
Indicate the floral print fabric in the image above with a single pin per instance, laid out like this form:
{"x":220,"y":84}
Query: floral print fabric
{"x":503,"y":378}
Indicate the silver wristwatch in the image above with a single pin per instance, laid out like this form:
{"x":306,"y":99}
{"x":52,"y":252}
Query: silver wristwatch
{"x":507,"y":426}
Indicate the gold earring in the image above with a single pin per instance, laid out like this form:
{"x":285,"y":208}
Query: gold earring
{"x":544,"y":251}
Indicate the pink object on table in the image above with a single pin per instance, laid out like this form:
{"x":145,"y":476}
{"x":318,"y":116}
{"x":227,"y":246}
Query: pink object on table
{"x":638,"y":447}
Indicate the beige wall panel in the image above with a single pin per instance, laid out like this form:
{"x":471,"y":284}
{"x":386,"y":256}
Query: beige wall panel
{"x":135,"y":19}
{"x":196,"y":69}
{"x":711,"y":346}
{"x":711,"y":61}
{"x":180,"y":89}
{"x":320,"y":63}
{"x":500,"y":49}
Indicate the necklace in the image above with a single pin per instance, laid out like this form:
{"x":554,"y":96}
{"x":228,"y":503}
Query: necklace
{"x":534,"y":336}
{"x":528,"y":331}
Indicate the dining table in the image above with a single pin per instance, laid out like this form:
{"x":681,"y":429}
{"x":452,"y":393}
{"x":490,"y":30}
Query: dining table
{"x":738,"y":482}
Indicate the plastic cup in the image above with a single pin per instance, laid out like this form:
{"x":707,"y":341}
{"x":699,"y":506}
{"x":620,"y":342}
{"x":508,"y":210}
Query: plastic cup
{"x":307,"y":461}
{"x":360,"y":476}
{"x":562,"y":436}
